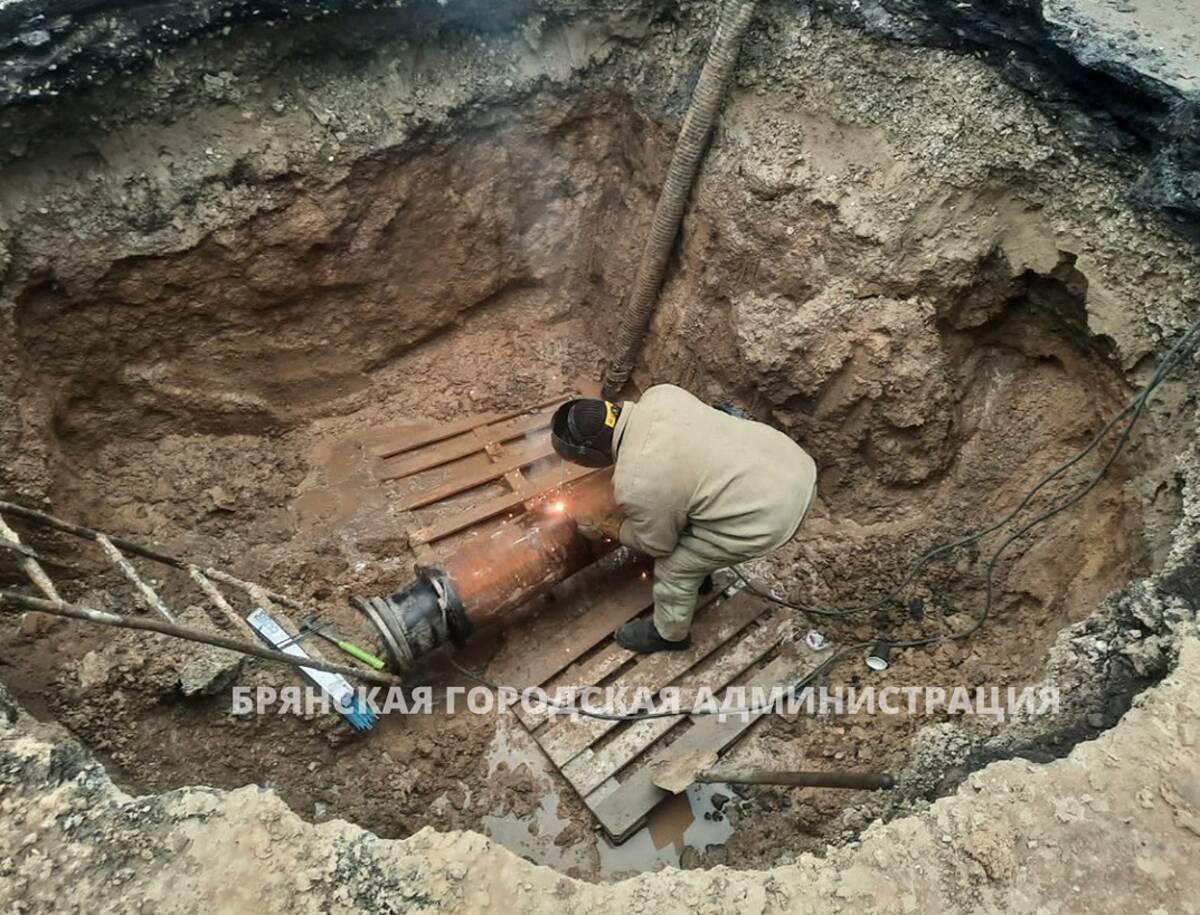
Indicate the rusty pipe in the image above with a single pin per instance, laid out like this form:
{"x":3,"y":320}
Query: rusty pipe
{"x":489,"y":577}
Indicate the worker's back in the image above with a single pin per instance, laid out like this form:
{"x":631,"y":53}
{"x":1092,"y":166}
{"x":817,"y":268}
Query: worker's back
{"x":740,"y":485}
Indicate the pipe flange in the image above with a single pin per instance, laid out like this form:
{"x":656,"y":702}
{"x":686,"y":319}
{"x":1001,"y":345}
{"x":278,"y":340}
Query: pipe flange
{"x":454,"y":615}
{"x":392,"y":637}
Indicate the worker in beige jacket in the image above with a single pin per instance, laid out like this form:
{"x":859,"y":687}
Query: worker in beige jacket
{"x":699,"y":490}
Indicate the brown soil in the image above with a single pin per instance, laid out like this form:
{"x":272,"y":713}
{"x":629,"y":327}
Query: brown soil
{"x":974,"y":416}
{"x":216,"y":402}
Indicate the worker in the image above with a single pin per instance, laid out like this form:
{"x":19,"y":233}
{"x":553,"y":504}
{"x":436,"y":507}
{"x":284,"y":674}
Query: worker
{"x":698,"y":489}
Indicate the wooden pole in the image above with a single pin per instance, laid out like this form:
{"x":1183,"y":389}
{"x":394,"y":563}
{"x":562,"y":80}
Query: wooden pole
{"x":149,"y":624}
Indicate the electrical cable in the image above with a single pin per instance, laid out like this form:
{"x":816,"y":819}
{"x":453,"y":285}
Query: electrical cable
{"x":1136,"y":407}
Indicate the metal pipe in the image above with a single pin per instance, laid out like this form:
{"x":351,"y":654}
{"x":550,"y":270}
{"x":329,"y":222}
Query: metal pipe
{"x":681,"y":175}
{"x":489,"y":577}
{"x":866,"y":781}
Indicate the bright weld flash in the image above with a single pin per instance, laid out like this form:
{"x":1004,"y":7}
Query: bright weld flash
{"x":558,"y":506}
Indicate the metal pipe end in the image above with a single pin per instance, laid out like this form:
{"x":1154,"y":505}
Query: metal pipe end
{"x":381,"y":614}
{"x":417,"y":619}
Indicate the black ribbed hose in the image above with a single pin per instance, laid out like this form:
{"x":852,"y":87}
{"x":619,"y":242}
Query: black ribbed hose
{"x":685,"y":162}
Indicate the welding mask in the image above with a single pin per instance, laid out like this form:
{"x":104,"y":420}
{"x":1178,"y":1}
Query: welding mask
{"x":581,"y":431}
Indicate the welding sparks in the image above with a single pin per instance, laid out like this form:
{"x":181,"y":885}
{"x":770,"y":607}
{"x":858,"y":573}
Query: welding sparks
{"x":558,"y":506}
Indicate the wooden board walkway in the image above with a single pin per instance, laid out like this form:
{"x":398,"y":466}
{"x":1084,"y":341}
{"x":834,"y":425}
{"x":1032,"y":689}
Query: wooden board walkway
{"x":462,"y":461}
{"x":622,"y":811}
{"x":606,"y":762}
{"x":447,"y":476}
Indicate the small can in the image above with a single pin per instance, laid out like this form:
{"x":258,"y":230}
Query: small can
{"x":816,"y":641}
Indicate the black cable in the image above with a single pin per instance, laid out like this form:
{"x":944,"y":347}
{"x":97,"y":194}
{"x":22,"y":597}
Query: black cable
{"x":1136,"y":406}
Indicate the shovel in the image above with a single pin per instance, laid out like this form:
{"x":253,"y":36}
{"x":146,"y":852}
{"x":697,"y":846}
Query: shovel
{"x":676,"y":774}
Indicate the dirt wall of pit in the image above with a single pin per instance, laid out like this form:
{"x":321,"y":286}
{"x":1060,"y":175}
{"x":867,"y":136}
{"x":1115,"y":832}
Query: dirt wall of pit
{"x":249,"y":236}
{"x":227,"y":241}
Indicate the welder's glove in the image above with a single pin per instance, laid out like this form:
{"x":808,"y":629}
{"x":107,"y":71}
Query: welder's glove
{"x":601,"y":527}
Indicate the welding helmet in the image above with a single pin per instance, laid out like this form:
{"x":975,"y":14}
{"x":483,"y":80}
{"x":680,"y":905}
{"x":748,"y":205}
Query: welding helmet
{"x":582,"y":430}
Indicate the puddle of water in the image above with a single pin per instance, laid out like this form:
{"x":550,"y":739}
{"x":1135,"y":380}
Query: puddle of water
{"x":533,"y":836}
{"x":675,"y":824}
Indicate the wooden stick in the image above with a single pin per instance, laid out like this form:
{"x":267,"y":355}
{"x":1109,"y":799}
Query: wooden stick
{"x":31,"y":514}
{"x":250,"y":588}
{"x":213,"y":593}
{"x":127,"y":546}
{"x":149,"y":624}
{"x":148,"y":595}
{"x":29,"y":565}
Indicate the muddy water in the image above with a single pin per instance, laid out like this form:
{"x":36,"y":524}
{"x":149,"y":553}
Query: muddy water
{"x":687,"y":820}
{"x":677,"y":823}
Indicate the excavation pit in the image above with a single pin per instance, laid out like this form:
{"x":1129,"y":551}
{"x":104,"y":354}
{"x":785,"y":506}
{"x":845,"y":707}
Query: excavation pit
{"x":210,"y":379}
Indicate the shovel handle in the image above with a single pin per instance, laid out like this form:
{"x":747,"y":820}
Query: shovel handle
{"x":867,"y":781}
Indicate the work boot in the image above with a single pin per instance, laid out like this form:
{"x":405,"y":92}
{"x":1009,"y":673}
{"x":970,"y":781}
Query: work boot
{"x":642,"y":637}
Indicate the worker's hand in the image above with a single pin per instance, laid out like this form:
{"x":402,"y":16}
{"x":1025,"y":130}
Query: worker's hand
{"x":601,"y":527}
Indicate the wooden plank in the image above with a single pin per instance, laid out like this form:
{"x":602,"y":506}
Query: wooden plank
{"x":621,"y":812}
{"x":485,"y":511}
{"x":610,"y":786}
{"x":439,"y":433}
{"x":536,"y":451}
{"x":567,"y":739}
{"x":628,"y":594}
{"x":587,"y":772}
{"x":604,"y":662}
{"x":458,"y":427}
{"x":464,"y":445}
{"x":376,"y":435}
{"x":600,"y":665}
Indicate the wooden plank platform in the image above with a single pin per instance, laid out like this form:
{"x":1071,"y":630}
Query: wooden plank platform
{"x":449,"y":474}
{"x":536,"y":450}
{"x":565,"y":740}
{"x":443,"y":431}
{"x":627,"y":594}
{"x":463,"y":460}
{"x":604,"y":760}
{"x":590,"y":769}
{"x":608,"y":658}
{"x":464,"y":445}
{"x":622,"y":811}
{"x":485,"y":511}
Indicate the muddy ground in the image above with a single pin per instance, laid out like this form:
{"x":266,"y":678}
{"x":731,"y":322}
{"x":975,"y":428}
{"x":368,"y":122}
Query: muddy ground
{"x":224,"y":275}
{"x":1011,"y":839}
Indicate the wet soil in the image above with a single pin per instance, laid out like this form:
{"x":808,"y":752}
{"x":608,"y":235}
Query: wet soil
{"x":331,"y":530}
{"x":218,"y":401}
